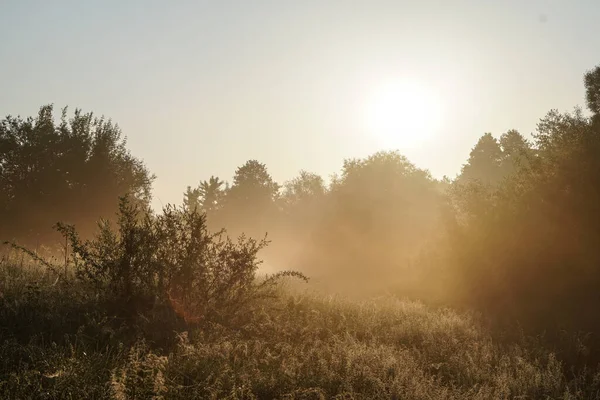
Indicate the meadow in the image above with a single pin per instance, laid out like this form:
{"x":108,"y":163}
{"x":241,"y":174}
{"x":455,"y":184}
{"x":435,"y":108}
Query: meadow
{"x":60,"y":341}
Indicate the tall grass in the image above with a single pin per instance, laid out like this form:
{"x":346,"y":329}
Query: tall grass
{"x":60,"y":341}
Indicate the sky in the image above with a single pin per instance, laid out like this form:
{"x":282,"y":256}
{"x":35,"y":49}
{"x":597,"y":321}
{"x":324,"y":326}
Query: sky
{"x":200,"y":87}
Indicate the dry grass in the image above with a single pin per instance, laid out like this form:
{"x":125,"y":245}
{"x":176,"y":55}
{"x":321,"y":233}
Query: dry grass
{"x":58,"y":343}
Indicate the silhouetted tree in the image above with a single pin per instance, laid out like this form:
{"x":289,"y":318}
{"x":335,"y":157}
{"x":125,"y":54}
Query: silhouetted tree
{"x":74,"y":171}
{"x":250,"y":201}
{"x":307,"y":187}
{"x":253,"y":184}
{"x":484,"y":164}
{"x":191,"y":199}
{"x":211,"y":194}
{"x":516,"y":152}
{"x":592,"y":90}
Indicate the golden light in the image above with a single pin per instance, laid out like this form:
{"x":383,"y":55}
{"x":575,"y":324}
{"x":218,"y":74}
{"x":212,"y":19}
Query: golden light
{"x":403,"y":114}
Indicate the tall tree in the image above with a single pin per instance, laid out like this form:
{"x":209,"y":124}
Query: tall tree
{"x":516,"y":152}
{"x":251,"y":200}
{"x":307,"y":187}
{"x":592,"y":90}
{"x":484,"y":164}
{"x":73,"y":171}
{"x":191,"y":199}
{"x":211,"y":194}
{"x":253,"y":183}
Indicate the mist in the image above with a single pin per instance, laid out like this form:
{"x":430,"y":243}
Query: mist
{"x":299,"y":201}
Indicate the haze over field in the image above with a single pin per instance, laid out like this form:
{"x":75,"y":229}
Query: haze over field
{"x":366,"y":200}
{"x":200,"y":87}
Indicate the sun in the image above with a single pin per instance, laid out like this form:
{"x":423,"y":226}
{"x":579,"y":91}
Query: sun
{"x":403,"y":114}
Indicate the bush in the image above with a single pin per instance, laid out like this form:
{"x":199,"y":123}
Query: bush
{"x":172,"y":259}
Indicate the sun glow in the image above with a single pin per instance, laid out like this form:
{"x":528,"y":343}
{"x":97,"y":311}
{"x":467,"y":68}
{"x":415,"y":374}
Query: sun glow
{"x":403,"y":114}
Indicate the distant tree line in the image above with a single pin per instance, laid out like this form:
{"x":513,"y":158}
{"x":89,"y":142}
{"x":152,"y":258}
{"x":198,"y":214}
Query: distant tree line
{"x":516,"y":234}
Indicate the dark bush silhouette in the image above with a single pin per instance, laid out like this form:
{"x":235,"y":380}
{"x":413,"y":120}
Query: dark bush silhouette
{"x":172,"y":258}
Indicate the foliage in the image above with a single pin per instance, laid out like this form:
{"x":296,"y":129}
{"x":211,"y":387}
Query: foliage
{"x":491,"y":161}
{"x":207,"y":197}
{"x":172,"y":257}
{"x":249,"y":205}
{"x":592,"y":90}
{"x":307,"y":187}
{"x":527,"y":248}
{"x":484,"y":164}
{"x":380,"y":212}
{"x":71,"y":171}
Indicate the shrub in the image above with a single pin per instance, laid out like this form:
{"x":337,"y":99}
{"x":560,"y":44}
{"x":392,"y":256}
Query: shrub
{"x":172,"y":259}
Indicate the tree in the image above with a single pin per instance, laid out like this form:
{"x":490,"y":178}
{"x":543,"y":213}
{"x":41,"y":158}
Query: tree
{"x":528,"y":249}
{"x":251,"y":201}
{"x":302,"y":205}
{"x":307,"y":187}
{"x":516,"y":152}
{"x":592,"y":90}
{"x":206,"y":197}
{"x":378,"y":214}
{"x":191,"y":199}
{"x":211,"y":194}
{"x":513,"y":143}
{"x":484,"y":164}
{"x":74,"y":172}
{"x":252,"y":183}
{"x":385,"y":194}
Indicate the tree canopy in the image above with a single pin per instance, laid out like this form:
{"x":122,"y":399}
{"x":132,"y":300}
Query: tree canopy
{"x":74,"y":171}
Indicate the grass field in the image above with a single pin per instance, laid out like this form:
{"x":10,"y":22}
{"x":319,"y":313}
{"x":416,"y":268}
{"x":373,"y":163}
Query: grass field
{"x":59,"y":342}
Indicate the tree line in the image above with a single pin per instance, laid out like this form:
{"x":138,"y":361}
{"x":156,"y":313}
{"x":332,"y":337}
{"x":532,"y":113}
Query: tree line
{"x":515,"y":234}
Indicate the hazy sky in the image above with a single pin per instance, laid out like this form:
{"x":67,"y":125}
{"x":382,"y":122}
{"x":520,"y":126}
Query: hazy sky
{"x":200,"y":87}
